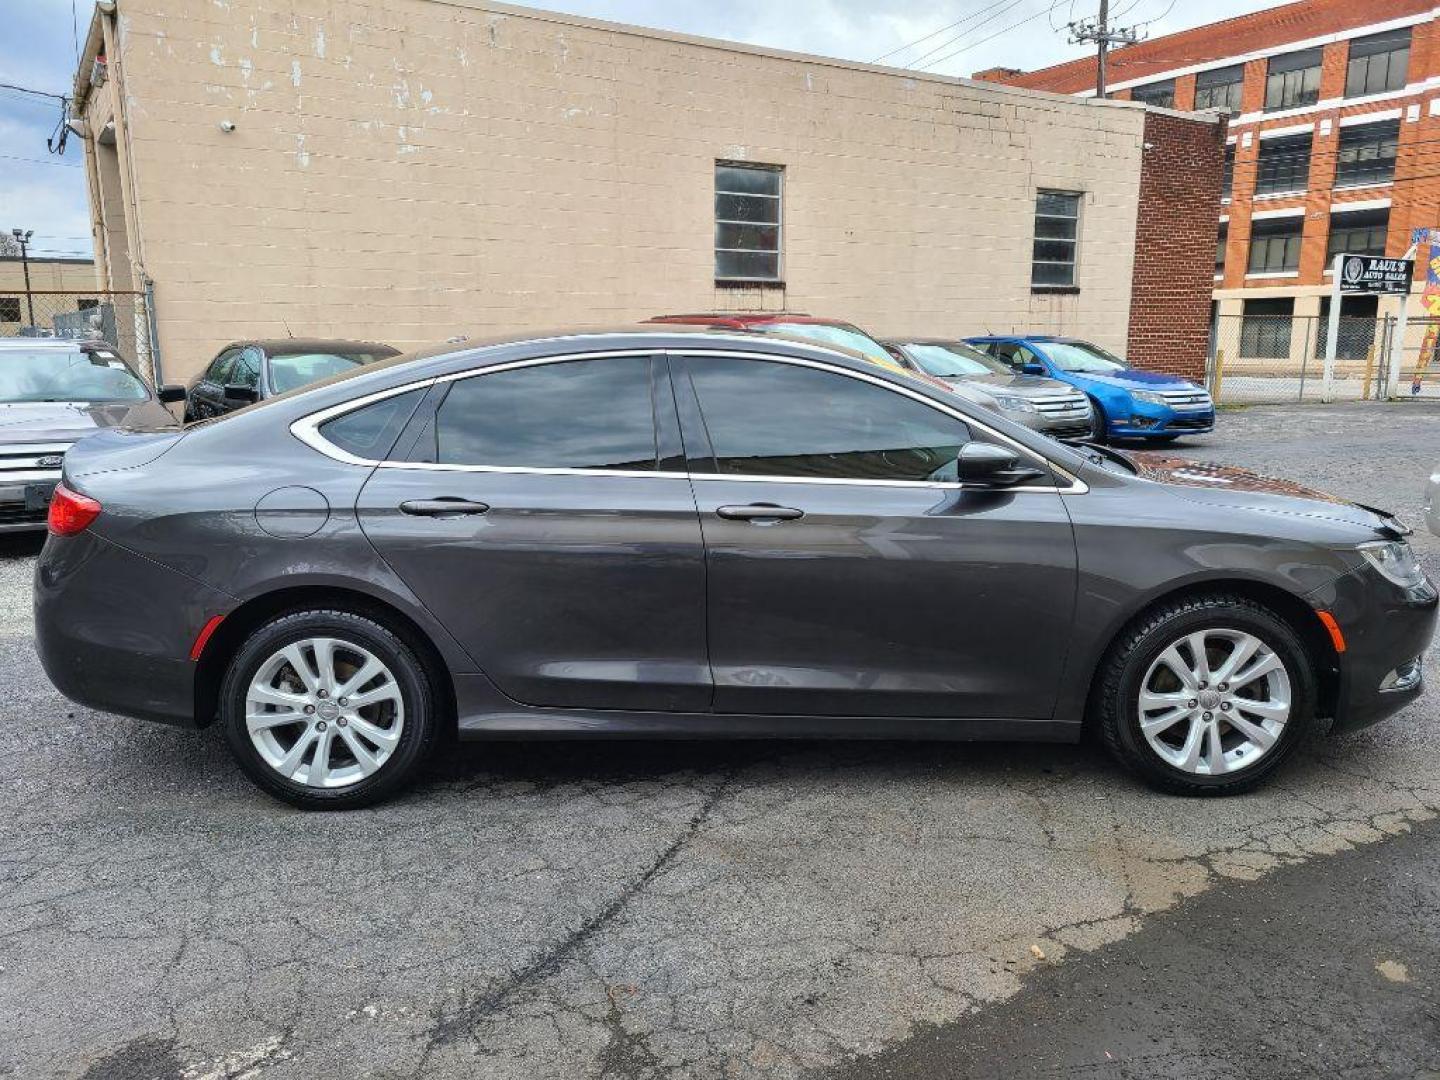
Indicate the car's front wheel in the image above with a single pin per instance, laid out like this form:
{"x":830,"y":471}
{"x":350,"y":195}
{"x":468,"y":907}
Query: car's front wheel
{"x":328,"y":709}
{"x":1206,"y":696}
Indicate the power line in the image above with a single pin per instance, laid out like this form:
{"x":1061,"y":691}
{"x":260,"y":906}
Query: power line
{"x":39,"y":161}
{"x":1004,"y":6}
{"x":982,"y":41}
{"x":937,"y":33}
{"x":1103,"y":35}
{"x":29,"y":90}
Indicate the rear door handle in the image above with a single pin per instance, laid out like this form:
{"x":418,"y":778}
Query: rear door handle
{"x":442,"y":507}
{"x":759,"y":512}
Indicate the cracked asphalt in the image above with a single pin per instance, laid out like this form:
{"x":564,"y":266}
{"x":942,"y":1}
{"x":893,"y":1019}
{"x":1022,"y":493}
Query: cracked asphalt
{"x":670,"y":909}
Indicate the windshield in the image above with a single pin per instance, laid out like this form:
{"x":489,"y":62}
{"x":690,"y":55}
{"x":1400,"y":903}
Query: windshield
{"x":1081,"y":356}
{"x":65,"y":375}
{"x":954,"y":361}
{"x":847,"y":337}
{"x":295,"y":370}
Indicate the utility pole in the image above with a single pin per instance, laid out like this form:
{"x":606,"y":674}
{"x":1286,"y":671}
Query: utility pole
{"x":22,"y":237}
{"x":1099,"y":31}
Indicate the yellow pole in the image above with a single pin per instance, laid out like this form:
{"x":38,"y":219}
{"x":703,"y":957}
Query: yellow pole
{"x":1219,"y":370}
{"x":1369,"y":371}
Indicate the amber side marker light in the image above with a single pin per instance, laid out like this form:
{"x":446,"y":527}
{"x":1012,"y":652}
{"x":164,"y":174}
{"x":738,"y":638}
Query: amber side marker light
{"x":202,"y":638}
{"x":1336,"y":637}
{"x":70,"y":512}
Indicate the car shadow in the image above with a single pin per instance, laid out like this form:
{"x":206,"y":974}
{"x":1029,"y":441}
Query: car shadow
{"x":24,"y":545}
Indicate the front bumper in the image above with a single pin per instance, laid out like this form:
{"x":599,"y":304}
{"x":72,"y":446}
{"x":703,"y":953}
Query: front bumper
{"x":1387,"y":630}
{"x":1147,"y":421}
{"x":1066,"y":429}
{"x":114,"y":630}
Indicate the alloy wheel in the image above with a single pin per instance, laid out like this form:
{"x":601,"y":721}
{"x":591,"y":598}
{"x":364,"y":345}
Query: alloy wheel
{"x":1214,"y":702}
{"x":324,"y":712}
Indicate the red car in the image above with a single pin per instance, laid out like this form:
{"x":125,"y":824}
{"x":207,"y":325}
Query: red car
{"x":792,"y":324}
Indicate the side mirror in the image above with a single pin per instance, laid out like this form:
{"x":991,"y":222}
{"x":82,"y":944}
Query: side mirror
{"x":242,"y":394}
{"x":1032,"y":369}
{"x":986,"y":463}
{"x":169,"y":393}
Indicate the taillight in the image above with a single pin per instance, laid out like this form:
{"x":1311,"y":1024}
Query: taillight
{"x":71,"y":512}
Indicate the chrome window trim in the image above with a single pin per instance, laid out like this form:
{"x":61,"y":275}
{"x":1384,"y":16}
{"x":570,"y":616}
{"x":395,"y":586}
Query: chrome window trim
{"x":306,"y":429}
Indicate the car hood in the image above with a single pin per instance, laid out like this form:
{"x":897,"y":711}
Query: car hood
{"x":1132,"y":379}
{"x":1026,"y":386}
{"x":67,"y":421}
{"x":1219,"y":485}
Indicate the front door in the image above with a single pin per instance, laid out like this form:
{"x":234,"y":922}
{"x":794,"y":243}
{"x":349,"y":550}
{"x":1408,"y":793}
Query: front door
{"x":849,"y":574}
{"x":536,"y":523}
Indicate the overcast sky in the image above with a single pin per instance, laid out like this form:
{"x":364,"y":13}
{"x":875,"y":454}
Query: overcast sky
{"x":37,"y":49}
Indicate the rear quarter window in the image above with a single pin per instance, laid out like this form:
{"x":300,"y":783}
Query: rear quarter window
{"x":370,"y":431}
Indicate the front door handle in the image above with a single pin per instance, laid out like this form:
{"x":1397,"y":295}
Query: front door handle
{"x":759,"y":512}
{"x":442,"y":507}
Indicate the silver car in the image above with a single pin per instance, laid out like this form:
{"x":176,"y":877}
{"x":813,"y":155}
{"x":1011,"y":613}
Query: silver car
{"x":1046,"y":405}
{"x":1432,"y":501}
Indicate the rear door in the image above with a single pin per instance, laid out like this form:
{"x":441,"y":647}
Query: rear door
{"x":850,"y":574}
{"x":544,"y":515}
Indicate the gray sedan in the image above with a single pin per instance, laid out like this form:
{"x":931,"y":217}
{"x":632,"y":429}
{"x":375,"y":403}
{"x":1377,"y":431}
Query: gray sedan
{"x":698,"y":534}
{"x":1047,"y":405}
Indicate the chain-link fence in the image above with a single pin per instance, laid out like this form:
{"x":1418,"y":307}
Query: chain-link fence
{"x":121,"y":318}
{"x":1259,"y":359}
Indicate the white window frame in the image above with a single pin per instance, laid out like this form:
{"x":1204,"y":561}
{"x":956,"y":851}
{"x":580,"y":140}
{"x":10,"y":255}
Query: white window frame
{"x":779,"y":197}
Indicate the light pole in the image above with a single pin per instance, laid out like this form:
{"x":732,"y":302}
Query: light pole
{"x":22,"y":237}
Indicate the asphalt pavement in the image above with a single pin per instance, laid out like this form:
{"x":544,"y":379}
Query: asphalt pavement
{"x":727,"y":910}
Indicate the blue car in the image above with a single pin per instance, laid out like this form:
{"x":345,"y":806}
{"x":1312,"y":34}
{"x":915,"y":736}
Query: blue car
{"x":1129,"y":403}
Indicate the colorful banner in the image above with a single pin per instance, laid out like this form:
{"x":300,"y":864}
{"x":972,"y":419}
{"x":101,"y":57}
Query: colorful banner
{"x":1429,"y":305}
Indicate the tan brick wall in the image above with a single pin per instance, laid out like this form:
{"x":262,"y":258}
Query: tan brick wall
{"x":411,"y":169}
{"x":73,"y":275}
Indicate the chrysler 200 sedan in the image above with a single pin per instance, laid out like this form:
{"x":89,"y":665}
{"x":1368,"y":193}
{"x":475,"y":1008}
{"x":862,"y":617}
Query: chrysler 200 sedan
{"x":654,"y":532}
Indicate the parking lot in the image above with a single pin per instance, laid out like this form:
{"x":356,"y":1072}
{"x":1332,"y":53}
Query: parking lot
{"x":641,"y":909}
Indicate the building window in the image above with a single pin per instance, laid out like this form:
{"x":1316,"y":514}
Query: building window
{"x":1367,"y":154}
{"x":1220,"y":240}
{"x":1265,"y":328}
{"x":1378,"y":63}
{"x":747,"y":222}
{"x":1293,"y":80}
{"x":1227,"y":178}
{"x":1275,"y":245}
{"x":9,"y":309}
{"x":1156,"y":93}
{"x":1057,"y":233}
{"x":1284,"y":165}
{"x":1360,"y":232}
{"x":86,"y":303}
{"x":1220,"y":88}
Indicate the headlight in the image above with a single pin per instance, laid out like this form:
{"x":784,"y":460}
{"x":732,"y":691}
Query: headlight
{"x":1150,"y":397}
{"x":1013,"y":404}
{"x":1395,"y":561}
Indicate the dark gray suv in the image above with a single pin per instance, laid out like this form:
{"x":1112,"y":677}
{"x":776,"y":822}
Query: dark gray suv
{"x":695,"y":534}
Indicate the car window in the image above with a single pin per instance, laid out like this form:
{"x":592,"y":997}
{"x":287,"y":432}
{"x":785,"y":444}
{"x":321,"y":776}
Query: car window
{"x":67,"y":375}
{"x":1017,"y":356}
{"x":575,"y":414}
{"x":953,"y":360}
{"x":370,"y":432}
{"x":767,"y":418}
{"x":293,"y":370}
{"x":221,"y":365}
{"x":847,"y":337}
{"x":246,"y":370}
{"x":1078,"y":356}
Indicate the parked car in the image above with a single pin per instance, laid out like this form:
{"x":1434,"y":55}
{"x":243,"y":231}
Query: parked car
{"x":1129,"y":403}
{"x":822,"y":331}
{"x":653,"y":532}
{"x":245,"y":372}
{"x":1047,"y":405}
{"x":1432,"y":501}
{"x":54,"y":391}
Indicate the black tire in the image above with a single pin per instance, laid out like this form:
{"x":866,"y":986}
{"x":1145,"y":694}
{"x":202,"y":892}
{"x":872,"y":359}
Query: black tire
{"x":418,"y":736}
{"x":1101,"y":434}
{"x":1116,"y":700}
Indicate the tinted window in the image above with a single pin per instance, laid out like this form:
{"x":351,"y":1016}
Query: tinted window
{"x":578,"y":414}
{"x":293,"y":370}
{"x":1220,"y":88}
{"x":371,"y":432}
{"x":773,"y":419}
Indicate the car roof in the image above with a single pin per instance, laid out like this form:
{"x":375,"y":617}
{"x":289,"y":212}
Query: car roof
{"x":41,"y":343}
{"x":740,"y":319}
{"x":923,"y":340}
{"x":1022,"y":337}
{"x":271,"y":346}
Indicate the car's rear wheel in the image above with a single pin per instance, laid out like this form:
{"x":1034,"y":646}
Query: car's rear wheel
{"x":328,"y":709}
{"x":1206,"y":696}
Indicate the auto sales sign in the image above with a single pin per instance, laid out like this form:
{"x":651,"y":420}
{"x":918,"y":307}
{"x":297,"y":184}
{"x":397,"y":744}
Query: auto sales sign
{"x":1371,"y":274}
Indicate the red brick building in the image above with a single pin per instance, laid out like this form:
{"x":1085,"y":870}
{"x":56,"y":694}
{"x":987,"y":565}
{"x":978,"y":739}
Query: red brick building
{"x":1334,"y":140}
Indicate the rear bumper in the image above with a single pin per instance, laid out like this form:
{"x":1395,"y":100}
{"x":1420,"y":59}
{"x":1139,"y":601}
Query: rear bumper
{"x":103,"y":639}
{"x":1387,"y":631}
